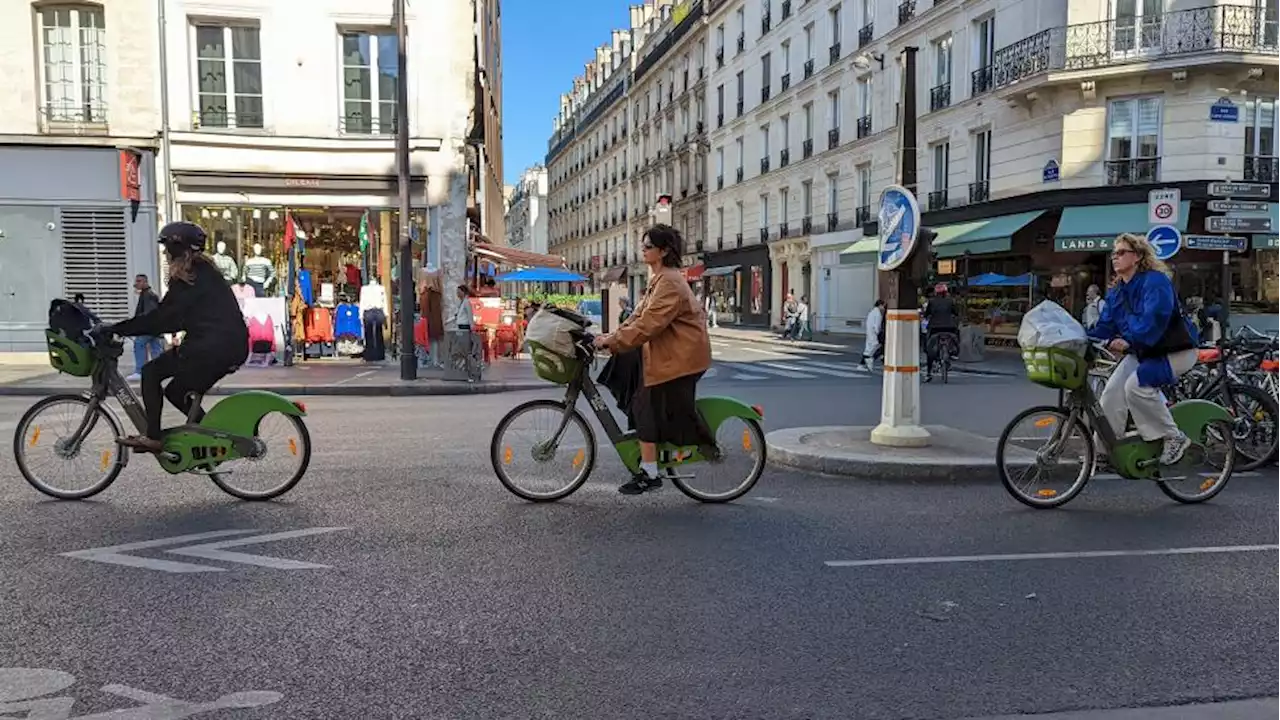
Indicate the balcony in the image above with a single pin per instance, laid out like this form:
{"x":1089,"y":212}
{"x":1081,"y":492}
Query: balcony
{"x":1259,"y":168}
{"x":833,"y":54}
{"x":833,"y":221}
{"x":906,"y":11}
{"x":684,"y":80}
{"x":719,"y":120}
{"x":833,"y":138}
{"x":697,"y":246}
{"x":739,"y":175}
{"x":720,"y":243}
{"x":739,"y":107}
{"x":863,"y":127}
{"x":937,"y":200}
{"x":786,"y":81}
{"x":349,"y":124}
{"x":782,"y":230}
{"x":939,"y":97}
{"x":738,"y":240}
{"x":719,"y":58}
{"x":808,"y":68}
{"x":742,"y":42}
{"x":719,"y":182}
{"x":699,"y":128}
{"x":981,"y":81}
{"x":764,"y":94}
{"x":764,"y":235}
{"x":764,"y":165}
{"x":698,"y":187}
{"x":1111,"y":43}
{"x":1133,"y":171}
{"x":806,"y":148}
{"x":979,"y":191}
{"x":786,"y":9}
{"x":806,"y":225}
{"x":784,"y":157}
{"x":866,"y":34}
{"x":862,"y":215}
{"x":766,"y":24}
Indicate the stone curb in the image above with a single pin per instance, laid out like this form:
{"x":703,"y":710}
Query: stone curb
{"x":787,"y":449}
{"x":815,"y":345}
{"x":406,"y":390}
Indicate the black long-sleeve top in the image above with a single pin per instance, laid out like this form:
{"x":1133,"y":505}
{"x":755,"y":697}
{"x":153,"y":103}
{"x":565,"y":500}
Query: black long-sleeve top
{"x":205,"y":309}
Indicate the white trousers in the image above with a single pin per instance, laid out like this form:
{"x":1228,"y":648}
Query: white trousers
{"x":1123,"y":396}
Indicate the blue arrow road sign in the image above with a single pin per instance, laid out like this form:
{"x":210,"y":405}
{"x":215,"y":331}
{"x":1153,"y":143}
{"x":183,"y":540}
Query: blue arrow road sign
{"x":1166,"y":240}
{"x":899,"y":225}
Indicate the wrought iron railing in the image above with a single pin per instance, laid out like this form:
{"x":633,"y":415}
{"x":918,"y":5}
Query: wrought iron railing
{"x":939,"y":97}
{"x":1221,"y":28}
{"x":862,"y":215}
{"x":979,"y":191}
{"x":1133,"y":171}
{"x":865,"y":34}
{"x":937,"y":200}
{"x":1258,"y":168}
{"x":864,"y":126}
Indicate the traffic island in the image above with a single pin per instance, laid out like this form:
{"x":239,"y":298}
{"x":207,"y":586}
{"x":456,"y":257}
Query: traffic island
{"x":951,"y":456}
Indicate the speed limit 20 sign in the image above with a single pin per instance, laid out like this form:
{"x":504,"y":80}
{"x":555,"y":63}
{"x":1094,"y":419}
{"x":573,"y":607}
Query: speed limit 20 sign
{"x":1162,"y":206}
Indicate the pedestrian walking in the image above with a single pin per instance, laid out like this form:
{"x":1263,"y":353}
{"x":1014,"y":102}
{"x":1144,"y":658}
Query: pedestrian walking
{"x":145,"y":347}
{"x":874,"y":326}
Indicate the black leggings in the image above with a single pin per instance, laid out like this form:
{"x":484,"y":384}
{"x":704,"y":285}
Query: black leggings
{"x":191,"y":371}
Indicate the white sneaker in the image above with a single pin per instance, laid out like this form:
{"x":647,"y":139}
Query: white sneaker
{"x":1174,"y":448}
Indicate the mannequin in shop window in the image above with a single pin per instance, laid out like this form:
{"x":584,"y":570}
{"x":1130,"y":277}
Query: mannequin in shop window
{"x":259,"y":273}
{"x":373,"y":316}
{"x":224,"y":263}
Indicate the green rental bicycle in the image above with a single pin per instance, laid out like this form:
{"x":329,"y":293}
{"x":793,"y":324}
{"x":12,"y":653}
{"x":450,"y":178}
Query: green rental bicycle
{"x":1042,"y":440}
{"x":229,"y":444}
{"x":563,"y":445}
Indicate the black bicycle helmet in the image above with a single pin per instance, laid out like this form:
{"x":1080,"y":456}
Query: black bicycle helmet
{"x":183,"y":236}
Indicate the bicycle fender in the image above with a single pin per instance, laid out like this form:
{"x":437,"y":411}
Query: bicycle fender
{"x":716,"y":409}
{"x":239,"y":414}
{"x":1191,"y":416}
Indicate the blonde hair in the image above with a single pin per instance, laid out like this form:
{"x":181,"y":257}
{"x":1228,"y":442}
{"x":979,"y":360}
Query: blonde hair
{"x":1147,"y":259}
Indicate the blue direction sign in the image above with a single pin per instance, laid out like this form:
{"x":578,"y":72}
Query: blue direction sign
{"x":899,"y":225}
{"x":1166,"y":239}
{"x":1215,"y":242}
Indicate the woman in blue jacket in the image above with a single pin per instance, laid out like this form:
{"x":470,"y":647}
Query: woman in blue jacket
{"x":1142,"y":320}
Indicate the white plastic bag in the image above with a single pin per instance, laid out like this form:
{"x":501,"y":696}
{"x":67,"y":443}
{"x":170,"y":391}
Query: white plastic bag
{"x":552,"y":332}
{"x":1050,"y":325}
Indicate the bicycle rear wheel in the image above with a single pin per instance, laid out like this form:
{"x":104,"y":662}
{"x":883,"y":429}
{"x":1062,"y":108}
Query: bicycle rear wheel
{"x":1255,"y":425}
{"x":285,"y":437}
{"x":1205,"y":470}
{"x":741,"y":440}
{"x":516,"y":446}
{"x":95,"y":455}
{"x":1033,"y":444}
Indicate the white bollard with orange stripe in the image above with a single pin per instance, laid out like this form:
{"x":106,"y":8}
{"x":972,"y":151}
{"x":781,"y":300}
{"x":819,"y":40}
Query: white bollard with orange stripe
{"x":900,"y":398}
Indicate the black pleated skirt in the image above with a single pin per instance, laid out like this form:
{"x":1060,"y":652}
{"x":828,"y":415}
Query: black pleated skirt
{"x":668,"y":413}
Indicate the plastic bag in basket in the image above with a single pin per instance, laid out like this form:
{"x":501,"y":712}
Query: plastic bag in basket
{"x":552,"y":332}
{"x":1049,"y":325}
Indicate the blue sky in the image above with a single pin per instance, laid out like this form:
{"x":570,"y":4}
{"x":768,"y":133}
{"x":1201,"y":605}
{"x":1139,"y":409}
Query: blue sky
{"x":544,"y":46}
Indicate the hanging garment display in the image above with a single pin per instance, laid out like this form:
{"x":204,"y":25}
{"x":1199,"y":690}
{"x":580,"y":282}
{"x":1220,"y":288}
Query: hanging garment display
{"x":305,"y":287}
{"x":375,"y":348}
{"x":243,"y":292}
{"x":319,"y":325}
{"x":263,"y":317}
{"x":346,"y":321}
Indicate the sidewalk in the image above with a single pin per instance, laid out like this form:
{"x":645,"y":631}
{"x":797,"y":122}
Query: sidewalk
{"x":314,"y":377}
{"x":995,"y":361}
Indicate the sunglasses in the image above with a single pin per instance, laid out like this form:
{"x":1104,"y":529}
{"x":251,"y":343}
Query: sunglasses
{"x":1121,"y":253}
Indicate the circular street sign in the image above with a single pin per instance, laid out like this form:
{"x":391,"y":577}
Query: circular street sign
{"x":1166,"y":240}
{"x":1164,"y":211}
{"x":899,"y":218}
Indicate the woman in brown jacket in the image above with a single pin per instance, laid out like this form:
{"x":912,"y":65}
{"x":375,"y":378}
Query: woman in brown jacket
{"x":671,"y":327}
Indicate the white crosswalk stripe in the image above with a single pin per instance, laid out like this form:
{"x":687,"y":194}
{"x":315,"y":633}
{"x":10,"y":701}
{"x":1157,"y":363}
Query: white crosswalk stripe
{"x":813,"y":367}
{"x":798,"y":368}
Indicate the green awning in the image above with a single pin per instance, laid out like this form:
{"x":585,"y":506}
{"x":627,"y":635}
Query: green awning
{"x":862,"y":252}
{"x":977,"y":237}
{"x":1093,"y":228}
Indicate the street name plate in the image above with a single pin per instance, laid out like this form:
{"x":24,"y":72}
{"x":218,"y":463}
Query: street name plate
{"x":1214,"y":242}
{"x":1239,"y":190}
{"x":1246,"y":206}
{"x":1230,"y":223}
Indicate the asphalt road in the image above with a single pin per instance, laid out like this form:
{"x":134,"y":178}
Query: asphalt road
{"x":445,"y":597}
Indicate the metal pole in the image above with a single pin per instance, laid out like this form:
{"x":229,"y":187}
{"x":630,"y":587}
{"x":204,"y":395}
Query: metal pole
{"x":1226,"y":292}
{"x":165,"y":147}
{"x":408,"y":361}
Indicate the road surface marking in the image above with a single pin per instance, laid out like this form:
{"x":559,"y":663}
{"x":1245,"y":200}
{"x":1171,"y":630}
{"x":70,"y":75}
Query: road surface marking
{"x":357,"y":376}
{"x":811,"y":369}
{"x":743,"y":376}
{"x":763,"y":368}
{"x":765,"y":352}
{"x":214,"y":551}
{"x":1070,"y":555}
{"x":115,"y":554}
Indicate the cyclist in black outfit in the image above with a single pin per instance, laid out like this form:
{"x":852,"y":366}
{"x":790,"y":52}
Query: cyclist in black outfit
{"x":942,"y":317}
{"x":200,"y":303}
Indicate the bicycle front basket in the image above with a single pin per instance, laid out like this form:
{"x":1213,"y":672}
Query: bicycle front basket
{"x":69,"y":356}
{"x":1055,"y":367}
{"x":553,"y":367}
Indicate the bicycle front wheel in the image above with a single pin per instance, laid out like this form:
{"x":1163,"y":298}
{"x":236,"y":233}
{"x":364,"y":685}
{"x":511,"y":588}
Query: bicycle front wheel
{"x":61,"y":462}
{"x":537,"y":460}
{"x":741,"y":440}
{"x":285,"y":460}
{"x":1036,"y":454}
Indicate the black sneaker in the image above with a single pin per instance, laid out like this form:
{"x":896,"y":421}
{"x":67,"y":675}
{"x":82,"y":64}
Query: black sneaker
{"x":640,"y":483}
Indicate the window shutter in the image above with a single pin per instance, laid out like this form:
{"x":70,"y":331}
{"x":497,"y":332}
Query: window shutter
{"x":95,"y":259}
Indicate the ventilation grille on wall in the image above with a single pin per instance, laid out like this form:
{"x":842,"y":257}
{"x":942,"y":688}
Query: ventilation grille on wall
{"x":95,"y":260}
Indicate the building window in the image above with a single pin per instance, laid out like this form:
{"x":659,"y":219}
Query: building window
{"x":784,"y":205}
{"x":229,"y":69}
{"x":834,"y":18}
{"x":73,"y":82}
{"x":1260,"y":140}
{"x":370,"y":70}
{"x":941,"y":173}
{"x":764,"y":212}
{"x":980,"y":188}
{"x":806,"y":198}
{"x":1133,"y":140}
{"x":864,"y":194}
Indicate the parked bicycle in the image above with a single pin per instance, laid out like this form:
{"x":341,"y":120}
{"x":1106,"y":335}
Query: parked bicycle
{"x":81,"y":432}
{"x":1041,"y":440}
{"x":564,"y":445}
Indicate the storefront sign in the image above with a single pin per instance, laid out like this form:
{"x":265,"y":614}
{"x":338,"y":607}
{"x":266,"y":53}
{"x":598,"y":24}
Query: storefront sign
{"x":899,"y":225}
{"x":1079,"y":244}
{"x":130,"y":176}
{"x":1214,"y":242}
{"x":1162,"y":206}
{"x":1224,"y":111}
{"x":1166,"y":240}
{"x":1260,"y":191}
{"x":1265,"y":242}
{"x":1051,"y":172}
{"x":302,"y":182}
{"x":1240,"y":224}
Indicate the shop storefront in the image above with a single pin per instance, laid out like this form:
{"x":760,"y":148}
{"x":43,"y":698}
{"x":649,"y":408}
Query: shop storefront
{"x":792,"y":272}
{"x":73,"y":220}
{"x":739,"y":283}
